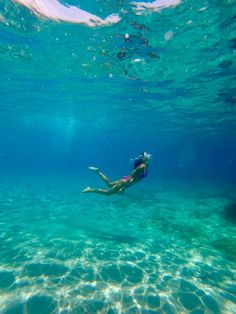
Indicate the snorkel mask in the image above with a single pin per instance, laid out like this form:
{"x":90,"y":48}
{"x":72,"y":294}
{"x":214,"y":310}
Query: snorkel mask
{"x":143,"y":157}
{"x":147,"y":156}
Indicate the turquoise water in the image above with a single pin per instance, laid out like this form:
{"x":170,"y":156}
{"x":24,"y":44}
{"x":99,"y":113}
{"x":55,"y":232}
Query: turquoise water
{"x":167,"y":250}
{"x":160,"y":80}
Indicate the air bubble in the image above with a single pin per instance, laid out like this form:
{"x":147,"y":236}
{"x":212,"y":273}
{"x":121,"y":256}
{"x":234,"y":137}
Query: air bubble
{"x":168,"y":35}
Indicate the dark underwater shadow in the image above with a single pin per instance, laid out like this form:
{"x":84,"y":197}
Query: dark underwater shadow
{"x":229,"y":213}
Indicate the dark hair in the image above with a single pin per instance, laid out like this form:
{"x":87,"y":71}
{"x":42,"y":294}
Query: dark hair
{"x":138,"y":160}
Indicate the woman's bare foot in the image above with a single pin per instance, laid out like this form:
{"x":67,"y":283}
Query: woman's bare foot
{"x":93,"y":169}
{"x":88,"y":189}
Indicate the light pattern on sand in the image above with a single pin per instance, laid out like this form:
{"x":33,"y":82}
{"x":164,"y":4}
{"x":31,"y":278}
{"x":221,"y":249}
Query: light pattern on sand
{"x":54,"y":10}
{"x":68,"y":253}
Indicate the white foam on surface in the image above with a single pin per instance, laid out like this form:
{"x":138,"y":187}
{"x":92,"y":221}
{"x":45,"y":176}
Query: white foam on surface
{"x":56,"y":11}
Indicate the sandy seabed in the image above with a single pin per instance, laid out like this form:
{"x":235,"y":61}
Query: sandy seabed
{"x":169,"y":250}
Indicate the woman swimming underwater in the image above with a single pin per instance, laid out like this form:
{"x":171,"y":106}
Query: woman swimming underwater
{"x":114,"y":187}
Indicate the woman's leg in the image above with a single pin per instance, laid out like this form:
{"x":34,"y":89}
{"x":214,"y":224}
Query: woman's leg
{"x":103,"y":176}
{"x":98,"y":191}
{"x":113,"y":190}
